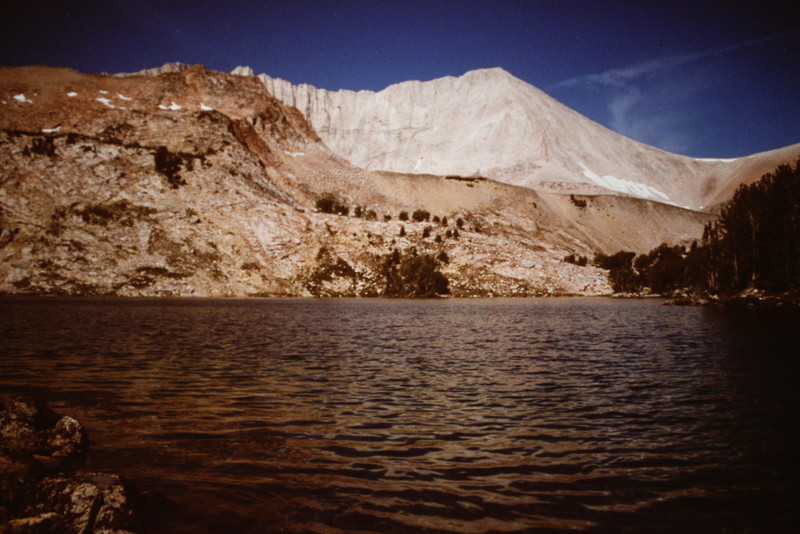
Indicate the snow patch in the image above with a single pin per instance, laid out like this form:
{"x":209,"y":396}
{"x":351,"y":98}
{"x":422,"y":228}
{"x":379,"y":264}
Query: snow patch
{"x":723,"y":160}
{"x":103,"y":92}
{"x":106,"y":102}
{"x":624,"y":186}
{"x":123,"y":97}
{"x":172,"y":107}
{"x":72,"y":94}
{"x":203,"y":107}
{"x":51,"y":130}
{"x":22,"y":98}
{"x":295,"y":154}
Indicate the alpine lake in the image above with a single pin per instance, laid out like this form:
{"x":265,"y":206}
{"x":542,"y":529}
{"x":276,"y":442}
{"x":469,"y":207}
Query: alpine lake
{"x":430,"y":415}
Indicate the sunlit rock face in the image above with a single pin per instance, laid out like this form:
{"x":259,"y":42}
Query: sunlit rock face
{"x":185,"y":181}
{"x":489,"y":123}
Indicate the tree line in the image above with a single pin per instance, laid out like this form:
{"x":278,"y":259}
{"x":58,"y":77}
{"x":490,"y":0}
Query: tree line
{"x":754,"y":243}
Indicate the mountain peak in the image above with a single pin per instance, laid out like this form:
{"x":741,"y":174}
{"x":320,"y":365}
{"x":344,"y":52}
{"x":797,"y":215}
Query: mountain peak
{"x":488,"y":76}
{"x":489,"y":123}
{"x":488,"y":73}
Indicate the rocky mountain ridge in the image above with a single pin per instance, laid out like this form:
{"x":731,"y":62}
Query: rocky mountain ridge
{"x":489,"y":123}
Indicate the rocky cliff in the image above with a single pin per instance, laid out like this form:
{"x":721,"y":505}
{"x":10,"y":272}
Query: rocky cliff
{"x":489,"y":123}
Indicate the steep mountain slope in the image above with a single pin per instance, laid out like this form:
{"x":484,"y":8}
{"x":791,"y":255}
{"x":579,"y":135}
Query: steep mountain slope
{"x":489,"y":123}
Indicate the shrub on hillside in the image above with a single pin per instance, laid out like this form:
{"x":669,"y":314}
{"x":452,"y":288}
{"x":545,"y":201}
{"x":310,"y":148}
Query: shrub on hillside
{"x":414,"y":275}
{"x":328,"y":203}
{"x":420,"y":215}
{"x":580,"y":261}
{"x":169,"y":165}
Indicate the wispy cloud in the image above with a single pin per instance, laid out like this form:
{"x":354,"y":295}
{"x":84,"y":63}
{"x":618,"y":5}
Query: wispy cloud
{"x":631,"y":116}
{"x":644,"y":104}
{"x":623,"y":76}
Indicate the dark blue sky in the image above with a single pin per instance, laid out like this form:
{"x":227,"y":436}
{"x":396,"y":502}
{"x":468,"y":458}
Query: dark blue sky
{"x":706,"y":79}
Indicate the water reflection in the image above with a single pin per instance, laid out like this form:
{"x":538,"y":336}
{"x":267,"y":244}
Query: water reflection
{"x":443,"y":415}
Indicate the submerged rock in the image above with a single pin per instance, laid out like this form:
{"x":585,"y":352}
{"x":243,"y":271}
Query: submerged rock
{"x":47,"y":522}
{"x":42,"y":488}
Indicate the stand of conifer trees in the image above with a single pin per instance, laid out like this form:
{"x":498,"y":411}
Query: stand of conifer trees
{"x":755,"y":243}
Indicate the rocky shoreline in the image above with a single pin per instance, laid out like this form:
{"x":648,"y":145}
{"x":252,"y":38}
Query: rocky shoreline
{"x":44,"y":484}
{"x":748,"y":297}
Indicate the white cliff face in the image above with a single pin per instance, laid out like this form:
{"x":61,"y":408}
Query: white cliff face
{"x":489,"y":123}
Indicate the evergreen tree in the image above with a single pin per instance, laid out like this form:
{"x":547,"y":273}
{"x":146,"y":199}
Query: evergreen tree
{"x":756,"y":240}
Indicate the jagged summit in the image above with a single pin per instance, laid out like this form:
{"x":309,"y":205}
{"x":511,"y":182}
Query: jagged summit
{"x":487,"y":122}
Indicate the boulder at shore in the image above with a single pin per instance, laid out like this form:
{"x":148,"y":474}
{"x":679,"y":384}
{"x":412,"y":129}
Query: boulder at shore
{"x":43,"y":486}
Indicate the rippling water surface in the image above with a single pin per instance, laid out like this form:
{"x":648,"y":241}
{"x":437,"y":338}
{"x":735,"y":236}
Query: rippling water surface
{"x":427,"y":416}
